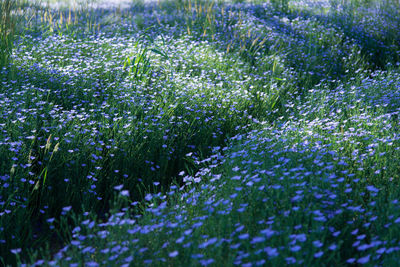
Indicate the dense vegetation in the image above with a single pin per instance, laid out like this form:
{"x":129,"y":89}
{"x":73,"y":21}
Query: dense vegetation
{"x":200,"y":133}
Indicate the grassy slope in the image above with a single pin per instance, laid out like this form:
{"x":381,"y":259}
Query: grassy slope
{"x":320,"y":188}
{"x":318,"y":185}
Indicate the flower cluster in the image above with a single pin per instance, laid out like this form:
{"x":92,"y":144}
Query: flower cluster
{"x":228,"y":134}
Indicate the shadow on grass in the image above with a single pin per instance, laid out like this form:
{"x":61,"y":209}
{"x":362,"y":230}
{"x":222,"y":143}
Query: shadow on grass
{"x":378,"y":47}
{"x":95,"y":154}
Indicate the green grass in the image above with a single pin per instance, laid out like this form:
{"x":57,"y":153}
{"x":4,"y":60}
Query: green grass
{"x":297,"y":178}
{"x":7,"y":29}
{"x":227,"y":134}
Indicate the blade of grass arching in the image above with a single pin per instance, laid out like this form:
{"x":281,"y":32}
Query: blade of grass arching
{"x":137,"y":65}
{"x":146,"y":65}
{"x":159,"y":52}
{"x":44,"y":173}
{"x":163,"y":40}
{"x":44,"y":176}
{"x":127,"y":62}
{"x":146,"y":68}
{"x":260,"y":45}
{"x":132,"y":66}
{"x":275,"y":101}
{"x":145,"y":61}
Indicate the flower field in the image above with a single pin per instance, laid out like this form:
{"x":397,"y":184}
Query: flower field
{"x":200,"y":133}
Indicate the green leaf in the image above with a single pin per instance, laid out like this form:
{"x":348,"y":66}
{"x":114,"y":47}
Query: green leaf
{"x":45,"y":176}
{"x":159,"y":52}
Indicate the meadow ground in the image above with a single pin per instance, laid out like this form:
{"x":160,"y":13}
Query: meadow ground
{"x":200,"y":133}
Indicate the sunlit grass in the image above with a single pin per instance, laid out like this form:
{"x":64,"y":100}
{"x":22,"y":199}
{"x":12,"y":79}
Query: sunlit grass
{"x":198,"y":133}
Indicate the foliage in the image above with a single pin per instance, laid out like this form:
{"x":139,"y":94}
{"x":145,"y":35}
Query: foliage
{"x":282,"y":5}
{"x":228,"y":134}
{"x":7,"y":30}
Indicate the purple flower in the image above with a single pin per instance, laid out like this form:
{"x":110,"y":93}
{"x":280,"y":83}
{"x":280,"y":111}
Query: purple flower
{"x":118,"y":187}
{"x":332,"y":247}
{"x":267,"y":232}
{"x":206,"y":262}
{"x":16,"y":250}
{"x":271,"y":252}
{"x":318,"y":254}
{"x":364,"y":260}
{"x":295,"y":248}
{"x":257,"y":239}
{"x":173,"y":254}
{"x":372,"y":189}
{"x":124,"y":193}
{"x":317,"y":243}
{"x":66,"y":209}
{"x":244,"y":236}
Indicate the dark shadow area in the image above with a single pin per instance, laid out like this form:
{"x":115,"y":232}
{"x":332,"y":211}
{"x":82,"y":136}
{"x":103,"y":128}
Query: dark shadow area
{"x":378,"y":51}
